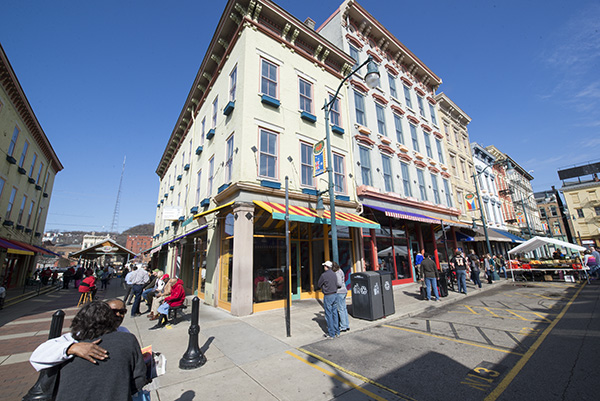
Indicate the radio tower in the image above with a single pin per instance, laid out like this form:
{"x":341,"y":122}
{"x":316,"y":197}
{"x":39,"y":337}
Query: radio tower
{"x":115,"y":219}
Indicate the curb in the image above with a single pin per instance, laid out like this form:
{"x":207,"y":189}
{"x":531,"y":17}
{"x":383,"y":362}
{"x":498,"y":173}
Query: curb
{"x":29,"y":295}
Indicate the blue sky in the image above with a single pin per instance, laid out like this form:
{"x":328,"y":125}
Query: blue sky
{"x":108,"y":80}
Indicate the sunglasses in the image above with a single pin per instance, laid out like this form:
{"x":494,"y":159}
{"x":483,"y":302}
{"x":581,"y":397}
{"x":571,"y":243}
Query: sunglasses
{"x":121,"y":311}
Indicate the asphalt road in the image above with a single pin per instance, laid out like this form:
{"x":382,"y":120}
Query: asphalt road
{"x":535,"y":342}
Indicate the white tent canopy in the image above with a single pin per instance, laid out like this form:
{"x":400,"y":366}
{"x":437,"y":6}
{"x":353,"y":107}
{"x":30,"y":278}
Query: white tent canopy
{"x":538,"y":242}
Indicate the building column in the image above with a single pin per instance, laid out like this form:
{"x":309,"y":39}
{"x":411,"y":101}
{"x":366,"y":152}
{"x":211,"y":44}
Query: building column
{"x":435,"y":250}
{"x":243,"y":259}
{"x":374,"y":258}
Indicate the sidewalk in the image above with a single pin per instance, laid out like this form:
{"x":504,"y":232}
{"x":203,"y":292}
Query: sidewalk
{"x":248,"y":355}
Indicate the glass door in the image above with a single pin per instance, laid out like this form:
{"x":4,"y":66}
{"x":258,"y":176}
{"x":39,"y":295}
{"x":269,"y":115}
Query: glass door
{"x":295,"y":268}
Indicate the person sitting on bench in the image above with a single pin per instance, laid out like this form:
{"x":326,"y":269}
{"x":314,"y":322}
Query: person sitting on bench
{"x":176,"y":299}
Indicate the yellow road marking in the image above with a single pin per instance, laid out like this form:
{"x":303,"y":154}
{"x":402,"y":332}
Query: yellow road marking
{"x":331,"y":374}
{"x":354,"y":374}
{"x":490,"y":311}
{"x":521,"y":363}
{"x":471,"y":309}
{"x":517,"y":315}
{"x":455,"y":340}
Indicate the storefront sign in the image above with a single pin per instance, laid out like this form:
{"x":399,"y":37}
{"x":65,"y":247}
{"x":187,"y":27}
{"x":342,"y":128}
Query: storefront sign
{"x":319,"y":158}
{"x":172,"y":213}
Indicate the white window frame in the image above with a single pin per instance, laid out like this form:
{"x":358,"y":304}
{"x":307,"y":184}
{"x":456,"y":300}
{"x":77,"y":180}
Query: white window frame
{"x":305,"y":99}
{"x":265,"y":154}
{"x":339,"y":173}
{"x":229,"y":159}
{"x":268,"y":79}
{"x":306,"y":165}
{"x":232,"y":84}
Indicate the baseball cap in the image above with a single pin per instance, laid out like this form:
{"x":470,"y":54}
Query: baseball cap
{"x":328,"y":264}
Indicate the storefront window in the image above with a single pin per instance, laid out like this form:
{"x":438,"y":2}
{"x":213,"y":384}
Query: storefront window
{"x":269,"y":269}
{"x":200,"y":261}
{"x":226,"y":259}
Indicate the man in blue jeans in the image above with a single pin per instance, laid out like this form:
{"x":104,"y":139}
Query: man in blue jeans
{"x":459,"y":263}
{"x":430,"y":275}
{"x":329,"y":286}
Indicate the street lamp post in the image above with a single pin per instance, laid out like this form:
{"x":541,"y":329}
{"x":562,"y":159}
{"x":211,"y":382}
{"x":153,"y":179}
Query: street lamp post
{"x":483,"y":222}
{"x":372,"y":80}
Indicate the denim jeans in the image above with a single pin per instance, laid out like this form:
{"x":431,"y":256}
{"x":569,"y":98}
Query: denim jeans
{"x":475,"y":278}
{"x":502,"y":269}
{"x":342,"y":311}
{"x":432,"y":281}
{"x":137,"y":293}
{"x":461,"y":278}
{"x":163,"y":309}
{"x":331,"y":317}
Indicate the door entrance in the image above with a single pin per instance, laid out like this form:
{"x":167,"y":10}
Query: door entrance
{"x":299,"y":268}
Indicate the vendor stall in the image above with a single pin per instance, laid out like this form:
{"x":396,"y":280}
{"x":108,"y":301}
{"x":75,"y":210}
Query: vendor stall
{"x":546,"y":269}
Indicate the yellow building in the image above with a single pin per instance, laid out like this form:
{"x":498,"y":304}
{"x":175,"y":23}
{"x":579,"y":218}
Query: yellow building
{"x":581,"y":189}
{"x":28,"y":166}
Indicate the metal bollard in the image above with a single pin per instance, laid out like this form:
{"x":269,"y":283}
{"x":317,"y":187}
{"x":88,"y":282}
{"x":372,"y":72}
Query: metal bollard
{"x":193,"y":358}
{"x":43,"y":389}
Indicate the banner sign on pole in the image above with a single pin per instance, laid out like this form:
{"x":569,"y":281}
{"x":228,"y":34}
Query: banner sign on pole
{"x":319,"y":158}
{"x":470,"y":202}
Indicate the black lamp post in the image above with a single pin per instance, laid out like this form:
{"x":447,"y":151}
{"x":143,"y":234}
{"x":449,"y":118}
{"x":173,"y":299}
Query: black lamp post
{"x":372,"y":80}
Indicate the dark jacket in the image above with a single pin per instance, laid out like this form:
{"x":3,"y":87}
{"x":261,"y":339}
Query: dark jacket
{"x":115,"y":378}
{"x":429,"y":269}
{"x":151,"y":283}
{"x":328,"y":282}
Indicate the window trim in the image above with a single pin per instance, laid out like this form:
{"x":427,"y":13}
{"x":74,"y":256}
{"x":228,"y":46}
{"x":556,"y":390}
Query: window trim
{"x":233,"y":83}
{"x":229,"y":151}
{"x":308,"y":164}
{"x":342,"y":174}
{"x":265,"y":60}
{"x":276,"y":155}
{"x":358,"y":94}
{"x":302,"y":96}
{"x":389,"y":174}
{"x":13,"y":141}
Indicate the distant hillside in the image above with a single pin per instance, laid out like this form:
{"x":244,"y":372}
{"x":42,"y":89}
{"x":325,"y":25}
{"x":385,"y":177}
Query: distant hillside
{"x":76,"y":237}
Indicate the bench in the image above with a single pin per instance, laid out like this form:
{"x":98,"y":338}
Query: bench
{"x":174,"y":310}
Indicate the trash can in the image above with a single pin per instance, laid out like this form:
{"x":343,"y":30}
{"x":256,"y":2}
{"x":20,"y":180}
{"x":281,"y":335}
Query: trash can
{"x":387,"y":291}
{"x":367,"y":301}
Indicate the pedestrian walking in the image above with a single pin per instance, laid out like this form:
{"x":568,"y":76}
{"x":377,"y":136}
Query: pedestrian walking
{"x":328,"y":285}
{"x":475,"y":268}
{"x":129,"y":286}
{"x":430,"y":275}
{"x":138,"y":279}
{"x":501,"y":265}
{"x":488,"y":264}
{"x":342,"y":292}
{"x":459,"y":264}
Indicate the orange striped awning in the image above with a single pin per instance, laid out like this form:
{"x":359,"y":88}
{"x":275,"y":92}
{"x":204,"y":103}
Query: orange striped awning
{"x":307,"y":215}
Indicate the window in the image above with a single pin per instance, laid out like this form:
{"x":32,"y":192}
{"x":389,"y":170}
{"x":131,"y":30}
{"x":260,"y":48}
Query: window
{"x":359,"y":107}
{"x":432,"y":112}
{"x":305,"y":95}
{"x":405,"y":179}
{"x":37,"y":180}
{"x":407,"y":96}
{"x":40,"y":213}
{"x":413,"y":135}
{"x":436,"y":191}
{"x":580,"y":213}
{"x":229,"y":159}
{"x":392,"y":80}
{"x":440,"y":153}
{"x":211,"y":172}
{"x":13,"y":141}
{"x":365,"y":165}
{"x":268,"y":80}
{"x":21,"y":209}
{"x":215,"y":109}
{"x":447,"y":191}
{"x":11,"y":201}
{"x":268,"y":154}
{"x":542,"y":213}
{"x":398,"y":125}
{"x":232,"y":84}
{"x":23,"y":154}
{"x":421,"y":180}
{"x":198,"y":186}
{"x":428,"y":145}
{"x":31,"y":207}
{"x":420,"y":104}
{"x":354,"y":55}
{"x":339,"y":174}
{"x":380,"y":119}
{"x":306,"y":165}
{"x":597,"y":210}
{"x":453,"y":165}
{"x":203,"y":131}
{"x":1,"y":186}
{"x":334,"y":111}
{"x":463,"y":169}
{"x":32,"y":165}
{"x":447,"y":133}
{"x":387,"y":173}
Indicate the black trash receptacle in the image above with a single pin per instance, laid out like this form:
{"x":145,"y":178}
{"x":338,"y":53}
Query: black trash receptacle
{"x":387,"y":291}
{"x":443,"y":283}
{"x":367,"y":300}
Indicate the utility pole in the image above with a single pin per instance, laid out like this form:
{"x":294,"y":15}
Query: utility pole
{"x":115,"y":219}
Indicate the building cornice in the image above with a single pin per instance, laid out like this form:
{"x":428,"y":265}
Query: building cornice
{"x":13,"y":88}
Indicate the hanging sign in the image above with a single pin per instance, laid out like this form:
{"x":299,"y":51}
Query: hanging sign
{"x":470,"y":202}
{"x":319,"y":158}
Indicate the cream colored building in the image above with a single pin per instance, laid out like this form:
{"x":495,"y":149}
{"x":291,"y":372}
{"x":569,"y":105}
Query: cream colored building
{"x":581,"y":189}
{"x":459,"y":159}
{"x":250,"y":121}
{"x":27,"y":171}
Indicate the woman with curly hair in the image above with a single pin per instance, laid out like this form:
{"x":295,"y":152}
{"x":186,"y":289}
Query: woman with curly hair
{"x":117,"y":377}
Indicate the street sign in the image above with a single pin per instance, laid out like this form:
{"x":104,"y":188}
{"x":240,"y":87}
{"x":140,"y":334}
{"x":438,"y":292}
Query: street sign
{"x":319,"y":158}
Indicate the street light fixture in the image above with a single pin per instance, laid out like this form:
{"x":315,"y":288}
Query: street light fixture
{"x":509,"y":169}
{"x":372,"y":81}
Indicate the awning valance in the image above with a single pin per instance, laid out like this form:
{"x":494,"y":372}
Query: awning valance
{"x":13,"y":248}
{"x":514,"y":238}
{"x":216,"y":209}
{"x":399,"y":214}
{"x":307,"y":215}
